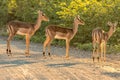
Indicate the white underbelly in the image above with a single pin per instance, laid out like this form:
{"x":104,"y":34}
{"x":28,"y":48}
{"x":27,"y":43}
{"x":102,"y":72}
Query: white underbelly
{"x":60,"y":37}
{"x":20,"y":33}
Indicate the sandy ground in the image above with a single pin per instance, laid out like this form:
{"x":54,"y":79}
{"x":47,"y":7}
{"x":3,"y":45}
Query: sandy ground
{"x":78,"y":67}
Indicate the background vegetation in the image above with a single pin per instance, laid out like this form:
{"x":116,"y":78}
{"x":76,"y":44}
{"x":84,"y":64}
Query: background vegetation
{"x":95,"y":13}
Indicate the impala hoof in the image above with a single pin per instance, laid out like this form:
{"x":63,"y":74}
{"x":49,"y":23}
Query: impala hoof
{"x":43,"y":53}
{"x":93,"y":59}
{"x":49,"y":54}
{"x":66,"y":57}
{"x":7,"y":51}
{"x":98,"y":59}
{"x":27,"y":54}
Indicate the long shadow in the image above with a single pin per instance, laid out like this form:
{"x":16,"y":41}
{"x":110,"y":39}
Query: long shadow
{"x":112,"y":74}
{"x":62,"y":65}
{"x":14,"y":63}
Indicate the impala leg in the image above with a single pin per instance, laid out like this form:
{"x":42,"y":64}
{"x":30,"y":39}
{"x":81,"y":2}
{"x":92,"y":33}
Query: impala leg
{"x":93,"y":54}
{"x":8,"y":43}
{"x":95,"y":47}
{"x":104,"y":52}
{"x":98,"y":53}
{"x":27,"y":45}
{"x":67,"y":48}
{"x":49,"y":42}
{"x":45,"y":44}
{"x":8,"y":51}
{"x":101,"y":48}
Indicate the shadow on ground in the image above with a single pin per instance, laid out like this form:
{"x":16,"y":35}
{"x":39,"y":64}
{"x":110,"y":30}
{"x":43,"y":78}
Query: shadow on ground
{"x":14,"y":63}
{"x":112,"y":74}
{"x":62,"y":65}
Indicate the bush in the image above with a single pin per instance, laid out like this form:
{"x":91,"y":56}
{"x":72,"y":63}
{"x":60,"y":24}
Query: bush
{"x":86,"y":47}
{"x":113,"y":49}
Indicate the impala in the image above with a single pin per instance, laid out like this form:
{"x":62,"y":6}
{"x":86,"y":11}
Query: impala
{"x":99,"y":41}
{"x":23,"y":28}
{"x":53,"y":31}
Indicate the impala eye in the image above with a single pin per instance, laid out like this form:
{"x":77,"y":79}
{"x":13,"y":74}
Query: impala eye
{"x":113,"y":28}
{"x":43,"y":14}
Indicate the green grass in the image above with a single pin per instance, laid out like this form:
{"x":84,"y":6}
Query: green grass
{"x":113,"y":49}
{"x":86,"y":46}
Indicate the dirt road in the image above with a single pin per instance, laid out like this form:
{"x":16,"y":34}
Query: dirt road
{"x":78,"y":67}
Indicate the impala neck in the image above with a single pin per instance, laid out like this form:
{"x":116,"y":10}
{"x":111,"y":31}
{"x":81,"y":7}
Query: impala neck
{"x":75,"y":28}
{"x":38,"y":23}
{"x":110,"y":32}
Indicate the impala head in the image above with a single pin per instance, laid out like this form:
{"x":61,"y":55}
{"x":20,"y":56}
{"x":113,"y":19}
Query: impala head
{"x":42,"y":16}
{"x":78,"y":20}
{"x":112,"y":26}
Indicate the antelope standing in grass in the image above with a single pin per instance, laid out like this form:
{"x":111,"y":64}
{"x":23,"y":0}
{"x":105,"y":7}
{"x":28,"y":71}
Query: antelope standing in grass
{"x":99,"y":41}
{"x":23,"y":28}
{"x":53,"y":31}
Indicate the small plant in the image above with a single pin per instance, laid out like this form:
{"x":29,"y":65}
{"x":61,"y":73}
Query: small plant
{"x":86,"y":46}
{"x":113,"y":49}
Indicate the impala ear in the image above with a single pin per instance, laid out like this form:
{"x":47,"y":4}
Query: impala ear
{"x":78,"y":16}
{"x":115,"y":24}
{"x":109,"y":23}
{"x":39,"y":11}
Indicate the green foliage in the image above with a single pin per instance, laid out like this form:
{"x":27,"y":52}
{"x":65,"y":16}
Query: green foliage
{"x":95,"y":13}
{"x":3,"y":12}
{"x":86,"y":46}
{"x":113,"y":49}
